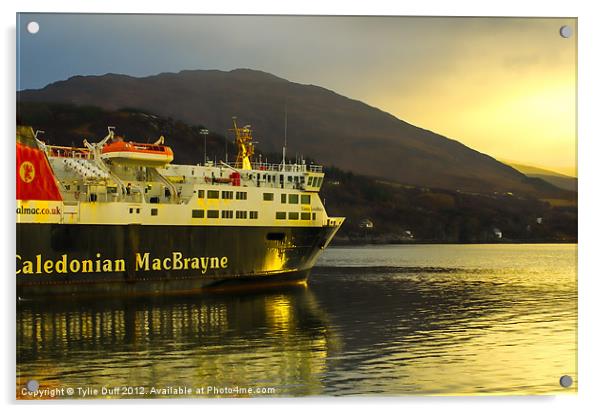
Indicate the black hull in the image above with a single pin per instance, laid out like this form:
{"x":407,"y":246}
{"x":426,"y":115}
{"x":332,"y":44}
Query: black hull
{"x":115,"y":259}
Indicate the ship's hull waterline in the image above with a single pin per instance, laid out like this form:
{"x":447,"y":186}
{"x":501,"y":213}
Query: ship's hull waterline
{"x":58,"y":259}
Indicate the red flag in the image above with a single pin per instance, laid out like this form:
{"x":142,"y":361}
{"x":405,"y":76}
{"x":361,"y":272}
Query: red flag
{"x":35,"y":180}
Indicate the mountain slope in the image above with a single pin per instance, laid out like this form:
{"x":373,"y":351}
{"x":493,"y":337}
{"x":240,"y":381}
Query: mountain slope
{"x":560,"y":180}
{"x":431,"y":215}
{"x":326,"y":126}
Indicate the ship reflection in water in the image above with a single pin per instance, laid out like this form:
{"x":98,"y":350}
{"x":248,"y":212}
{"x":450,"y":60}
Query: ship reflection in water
{"x":375,"y":320}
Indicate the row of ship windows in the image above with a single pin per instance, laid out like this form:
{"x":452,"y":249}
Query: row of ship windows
{"x":267,"y":196}
{"x":314,"y":181}
{"x":213,"y":194}
{"x":226,"y":214}
{"x":296,"y":215}
{"x":292,"y":198}
{"x":229,"y":214}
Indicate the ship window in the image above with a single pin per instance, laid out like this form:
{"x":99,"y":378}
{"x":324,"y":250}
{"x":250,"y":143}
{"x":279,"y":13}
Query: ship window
{"x":241,"y":214}
{"x":241,"y":195}
{"x":280,"y":215}
{"x":227,"y":214}
{"x":227,"y":195}
{"x":198,"y":213}
{"x":137,"y":210}
{"x":319,"y":181}
{"x":313,"y":216}
{"x":293,"y":215}
{"x":305,"y":199}
{"x":283,"y":198}
{"x":254,"y":214}
{"x":212,"y":213}
{"x":201,"y":193}
{"x":290,"y":178}
{"x":67,"y":187}
{"x":268,"y":196}
{"x":293,"y":199}
{"x":131,"y":210}
{"x":305,"y":215}
{"x":275,"y":236}
{"x":154,"y":212}
{"x":213,"y":194}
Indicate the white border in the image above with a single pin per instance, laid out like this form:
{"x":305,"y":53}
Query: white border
{"x":589,"y":184}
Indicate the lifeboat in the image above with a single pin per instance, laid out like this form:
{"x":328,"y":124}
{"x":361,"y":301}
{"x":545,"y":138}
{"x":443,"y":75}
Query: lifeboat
{"x":137,"y":153}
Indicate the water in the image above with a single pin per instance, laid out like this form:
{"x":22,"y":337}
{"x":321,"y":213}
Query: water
{"x":379,"y":320}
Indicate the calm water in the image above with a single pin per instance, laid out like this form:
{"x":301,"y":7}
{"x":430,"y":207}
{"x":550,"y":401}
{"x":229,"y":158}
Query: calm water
{"x":382,"y":320}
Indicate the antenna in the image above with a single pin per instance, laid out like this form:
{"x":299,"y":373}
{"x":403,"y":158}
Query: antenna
{"x":226,"y":148}
{"x":285,"y":131}
{"x":204,"y":133}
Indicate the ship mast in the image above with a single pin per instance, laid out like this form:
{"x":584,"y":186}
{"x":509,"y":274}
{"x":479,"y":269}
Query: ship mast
{"x":244,"y":144}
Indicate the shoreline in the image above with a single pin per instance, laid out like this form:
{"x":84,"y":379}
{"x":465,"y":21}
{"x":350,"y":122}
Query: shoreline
{"x":359,"y":243}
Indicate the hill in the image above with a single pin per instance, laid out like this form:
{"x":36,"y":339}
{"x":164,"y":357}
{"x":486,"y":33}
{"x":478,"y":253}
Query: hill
{"x":559,"y":180}
{"x":400,"y":213}
{"x":322,"y":124}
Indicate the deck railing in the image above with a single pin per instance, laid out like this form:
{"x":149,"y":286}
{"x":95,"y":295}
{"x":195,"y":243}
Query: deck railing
{"x":289,"y":167}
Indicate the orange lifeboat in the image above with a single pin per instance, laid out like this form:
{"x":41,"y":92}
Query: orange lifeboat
{"x":137,"y":153}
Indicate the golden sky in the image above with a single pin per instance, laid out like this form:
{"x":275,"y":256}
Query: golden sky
{"x":503,"y":86}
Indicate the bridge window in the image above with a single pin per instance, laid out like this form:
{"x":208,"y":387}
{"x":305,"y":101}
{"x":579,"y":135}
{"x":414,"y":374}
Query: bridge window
{"x":293,"y":215}
{"x":213,"y":213}
{"x":201,"y":193}
{"x":268,"y":196}
{"x":305,"y":199}
{"x":254,"y":214}
{"x":241,"y":195}
{"x":154,"y":212}
{"x":241,"y":214}
{"x":293,"y":199}
{"x":283,"y":198}
{"x":305,"y":215}
{"x":280,"y":215}
{"x":227,"y":195}
{"x":198,"y":213}
{"x":227,"y":214}
{"x":213,"y":194}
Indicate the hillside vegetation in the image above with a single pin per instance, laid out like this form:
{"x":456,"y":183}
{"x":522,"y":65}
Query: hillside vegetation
{"x":399,"y":213}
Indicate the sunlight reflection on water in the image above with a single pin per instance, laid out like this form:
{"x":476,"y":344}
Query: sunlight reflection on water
{"x":392,"y":320}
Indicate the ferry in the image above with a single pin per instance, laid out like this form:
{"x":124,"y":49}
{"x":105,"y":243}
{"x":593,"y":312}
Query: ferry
{"x":116,"y":217}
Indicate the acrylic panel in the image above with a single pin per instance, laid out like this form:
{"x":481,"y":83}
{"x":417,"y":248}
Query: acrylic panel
{"x":274,"y":206}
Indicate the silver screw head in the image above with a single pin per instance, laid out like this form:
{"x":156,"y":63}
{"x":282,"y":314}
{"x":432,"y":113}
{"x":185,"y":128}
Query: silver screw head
{"x":566,"y":31}
{"x":566,"y":381}
{"x":32,"y":385}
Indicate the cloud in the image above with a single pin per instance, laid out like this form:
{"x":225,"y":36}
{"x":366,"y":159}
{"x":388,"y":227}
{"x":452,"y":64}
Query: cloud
{"x":440,"y":73}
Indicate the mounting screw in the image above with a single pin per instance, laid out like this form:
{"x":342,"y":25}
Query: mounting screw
{"x":566,"y":381}
{"x":33,"y":27}
{"x":566,"y":31}
{"x":32,"y":385}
